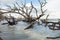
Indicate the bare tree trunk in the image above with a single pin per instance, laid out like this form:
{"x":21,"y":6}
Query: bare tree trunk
{"x":30,"y":26}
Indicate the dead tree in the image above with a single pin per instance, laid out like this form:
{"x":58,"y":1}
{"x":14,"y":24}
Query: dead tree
{"x":38,"y":17}
{"x":23,"y":11}
{"x":42,"y":4}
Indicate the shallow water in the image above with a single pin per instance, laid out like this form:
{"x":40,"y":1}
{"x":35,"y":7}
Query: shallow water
{"x":17,"y":32}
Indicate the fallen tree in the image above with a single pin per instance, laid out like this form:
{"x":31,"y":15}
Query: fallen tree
{"x":25,"y":11}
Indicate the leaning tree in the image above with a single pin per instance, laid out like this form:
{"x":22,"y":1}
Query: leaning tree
{"x":25,"y":11}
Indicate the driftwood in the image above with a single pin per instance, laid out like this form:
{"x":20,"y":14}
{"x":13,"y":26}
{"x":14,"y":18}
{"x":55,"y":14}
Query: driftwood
{"x":1,"y":38}
{"x":30,"y":26}
{"x":52,"y":37}
{"x":54,"y":28}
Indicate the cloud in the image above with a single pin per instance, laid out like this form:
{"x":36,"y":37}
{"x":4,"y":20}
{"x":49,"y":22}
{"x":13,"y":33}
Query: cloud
{"x":53,"y":9}
{"x":53,"y":5}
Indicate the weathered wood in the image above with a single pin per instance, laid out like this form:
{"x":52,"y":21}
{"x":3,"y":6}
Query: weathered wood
{"x":1,"y":38}
{"x":30,"y":26}
{"x":54,"y":28}
{"x":52,"y":37}
{"x":54,"y":25}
